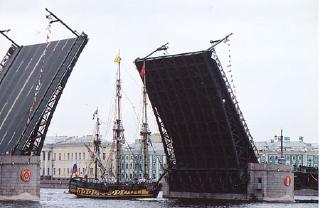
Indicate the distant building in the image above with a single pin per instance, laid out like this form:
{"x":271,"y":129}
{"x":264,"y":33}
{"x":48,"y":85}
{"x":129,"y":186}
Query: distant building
{"x":60,"y":153}
{"x":132,"y":159}
{"x":296,"y":153}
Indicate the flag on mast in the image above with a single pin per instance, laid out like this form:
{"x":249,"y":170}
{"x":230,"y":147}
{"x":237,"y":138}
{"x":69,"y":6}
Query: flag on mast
{"x":143,"y":69}
{"x":74,"y":168}
{"x":117,"y":59}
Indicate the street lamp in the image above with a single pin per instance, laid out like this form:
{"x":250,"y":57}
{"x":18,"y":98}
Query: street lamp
{"x":281,"y":159}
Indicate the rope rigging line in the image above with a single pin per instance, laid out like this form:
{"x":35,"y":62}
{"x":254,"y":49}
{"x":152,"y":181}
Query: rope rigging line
{"x":132,"y":105}
{"x":129,"y":147}
{"x":109,"y":161}
{"x":130,"y":75}
{"x":314,"y":178}
{"x":132,"y":153}
{"x":111,"y":113}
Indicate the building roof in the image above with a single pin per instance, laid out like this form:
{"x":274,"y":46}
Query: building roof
{"x":60,"y":140}
{"x":88,"y":139}
{"x":287,"y":144}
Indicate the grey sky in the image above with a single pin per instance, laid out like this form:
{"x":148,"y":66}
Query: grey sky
{"x":274,"y":56}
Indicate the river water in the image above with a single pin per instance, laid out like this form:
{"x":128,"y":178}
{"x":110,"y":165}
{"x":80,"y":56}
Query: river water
{"x":59,"y":198}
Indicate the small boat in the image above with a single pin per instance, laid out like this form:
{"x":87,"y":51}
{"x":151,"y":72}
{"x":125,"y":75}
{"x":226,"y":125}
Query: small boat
{"x":108,"y":184}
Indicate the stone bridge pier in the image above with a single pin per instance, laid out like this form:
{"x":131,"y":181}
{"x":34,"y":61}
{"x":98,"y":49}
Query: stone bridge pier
{"x":19,"y":178}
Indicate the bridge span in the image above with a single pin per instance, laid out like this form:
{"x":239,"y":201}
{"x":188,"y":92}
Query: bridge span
{"x":209,"y":149}
{"x":32,"y":79}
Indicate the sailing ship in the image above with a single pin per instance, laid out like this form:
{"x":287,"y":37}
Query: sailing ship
{"x":109,"y":184}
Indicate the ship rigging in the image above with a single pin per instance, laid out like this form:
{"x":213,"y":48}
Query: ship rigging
{"x":109,"y":185}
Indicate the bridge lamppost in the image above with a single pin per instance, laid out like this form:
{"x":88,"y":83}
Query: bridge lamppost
{"x":281,"y":159}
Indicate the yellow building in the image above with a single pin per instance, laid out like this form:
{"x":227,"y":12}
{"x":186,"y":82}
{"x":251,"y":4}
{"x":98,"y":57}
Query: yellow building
{"x":60,"y":153}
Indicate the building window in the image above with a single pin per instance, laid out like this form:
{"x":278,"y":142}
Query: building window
{"x":75,"y":155}
{"x":44,"y":155}
{"x":54,"y":171}
{"x":79,"y":156}
{"x":43,"y":171}
{"x":64,"y":156}
{"x":104,"y":156}
{"x":48,"y":171}
{"x":49,"y":155}
{"x":54,"y":156}
{"x":68,"y":171}
{"x":68,"y":156}
{"x":72,"y":156}
{"x":59,"y":171}
{"x":83,"y":155}
{"x":59,"y":156}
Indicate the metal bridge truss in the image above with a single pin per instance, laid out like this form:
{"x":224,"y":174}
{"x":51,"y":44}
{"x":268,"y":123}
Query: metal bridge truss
{"x":32,"y":139}
{"x":234,"y":102}
{"x":166,"y":141}
{"x":206,"y":139}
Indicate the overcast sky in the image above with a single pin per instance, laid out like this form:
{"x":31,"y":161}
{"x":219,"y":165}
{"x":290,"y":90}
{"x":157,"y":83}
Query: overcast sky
{"x":274,"y":53}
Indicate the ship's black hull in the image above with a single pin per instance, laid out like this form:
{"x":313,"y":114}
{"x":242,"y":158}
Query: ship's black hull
{"x":91,"y":189}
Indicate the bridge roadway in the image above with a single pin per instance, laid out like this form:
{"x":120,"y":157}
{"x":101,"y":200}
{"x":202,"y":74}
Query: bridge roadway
{"x":207,"y":147}
{"x":18,"y":81}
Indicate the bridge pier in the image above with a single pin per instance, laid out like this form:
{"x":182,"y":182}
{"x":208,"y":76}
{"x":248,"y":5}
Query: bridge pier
{"x":269,"y":182}
{"x":272,"y":183}
{"x":20,"y":178}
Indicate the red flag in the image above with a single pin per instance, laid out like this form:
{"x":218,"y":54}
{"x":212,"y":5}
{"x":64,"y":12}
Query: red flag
{"x":143,"y":70}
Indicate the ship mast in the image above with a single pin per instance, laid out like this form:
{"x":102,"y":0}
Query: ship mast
{"x":145,"y":132}
{"x":118,"y":127}
{"x":96,"y":143}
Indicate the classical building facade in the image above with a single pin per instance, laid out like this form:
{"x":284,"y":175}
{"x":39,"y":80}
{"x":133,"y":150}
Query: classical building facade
{"x":296,"y":153}
{"x":132,"y":159}
{"x":59,"y":154}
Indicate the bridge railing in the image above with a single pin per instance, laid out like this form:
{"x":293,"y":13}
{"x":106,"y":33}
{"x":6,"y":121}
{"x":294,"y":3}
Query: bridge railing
{"x":234,"y":101}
